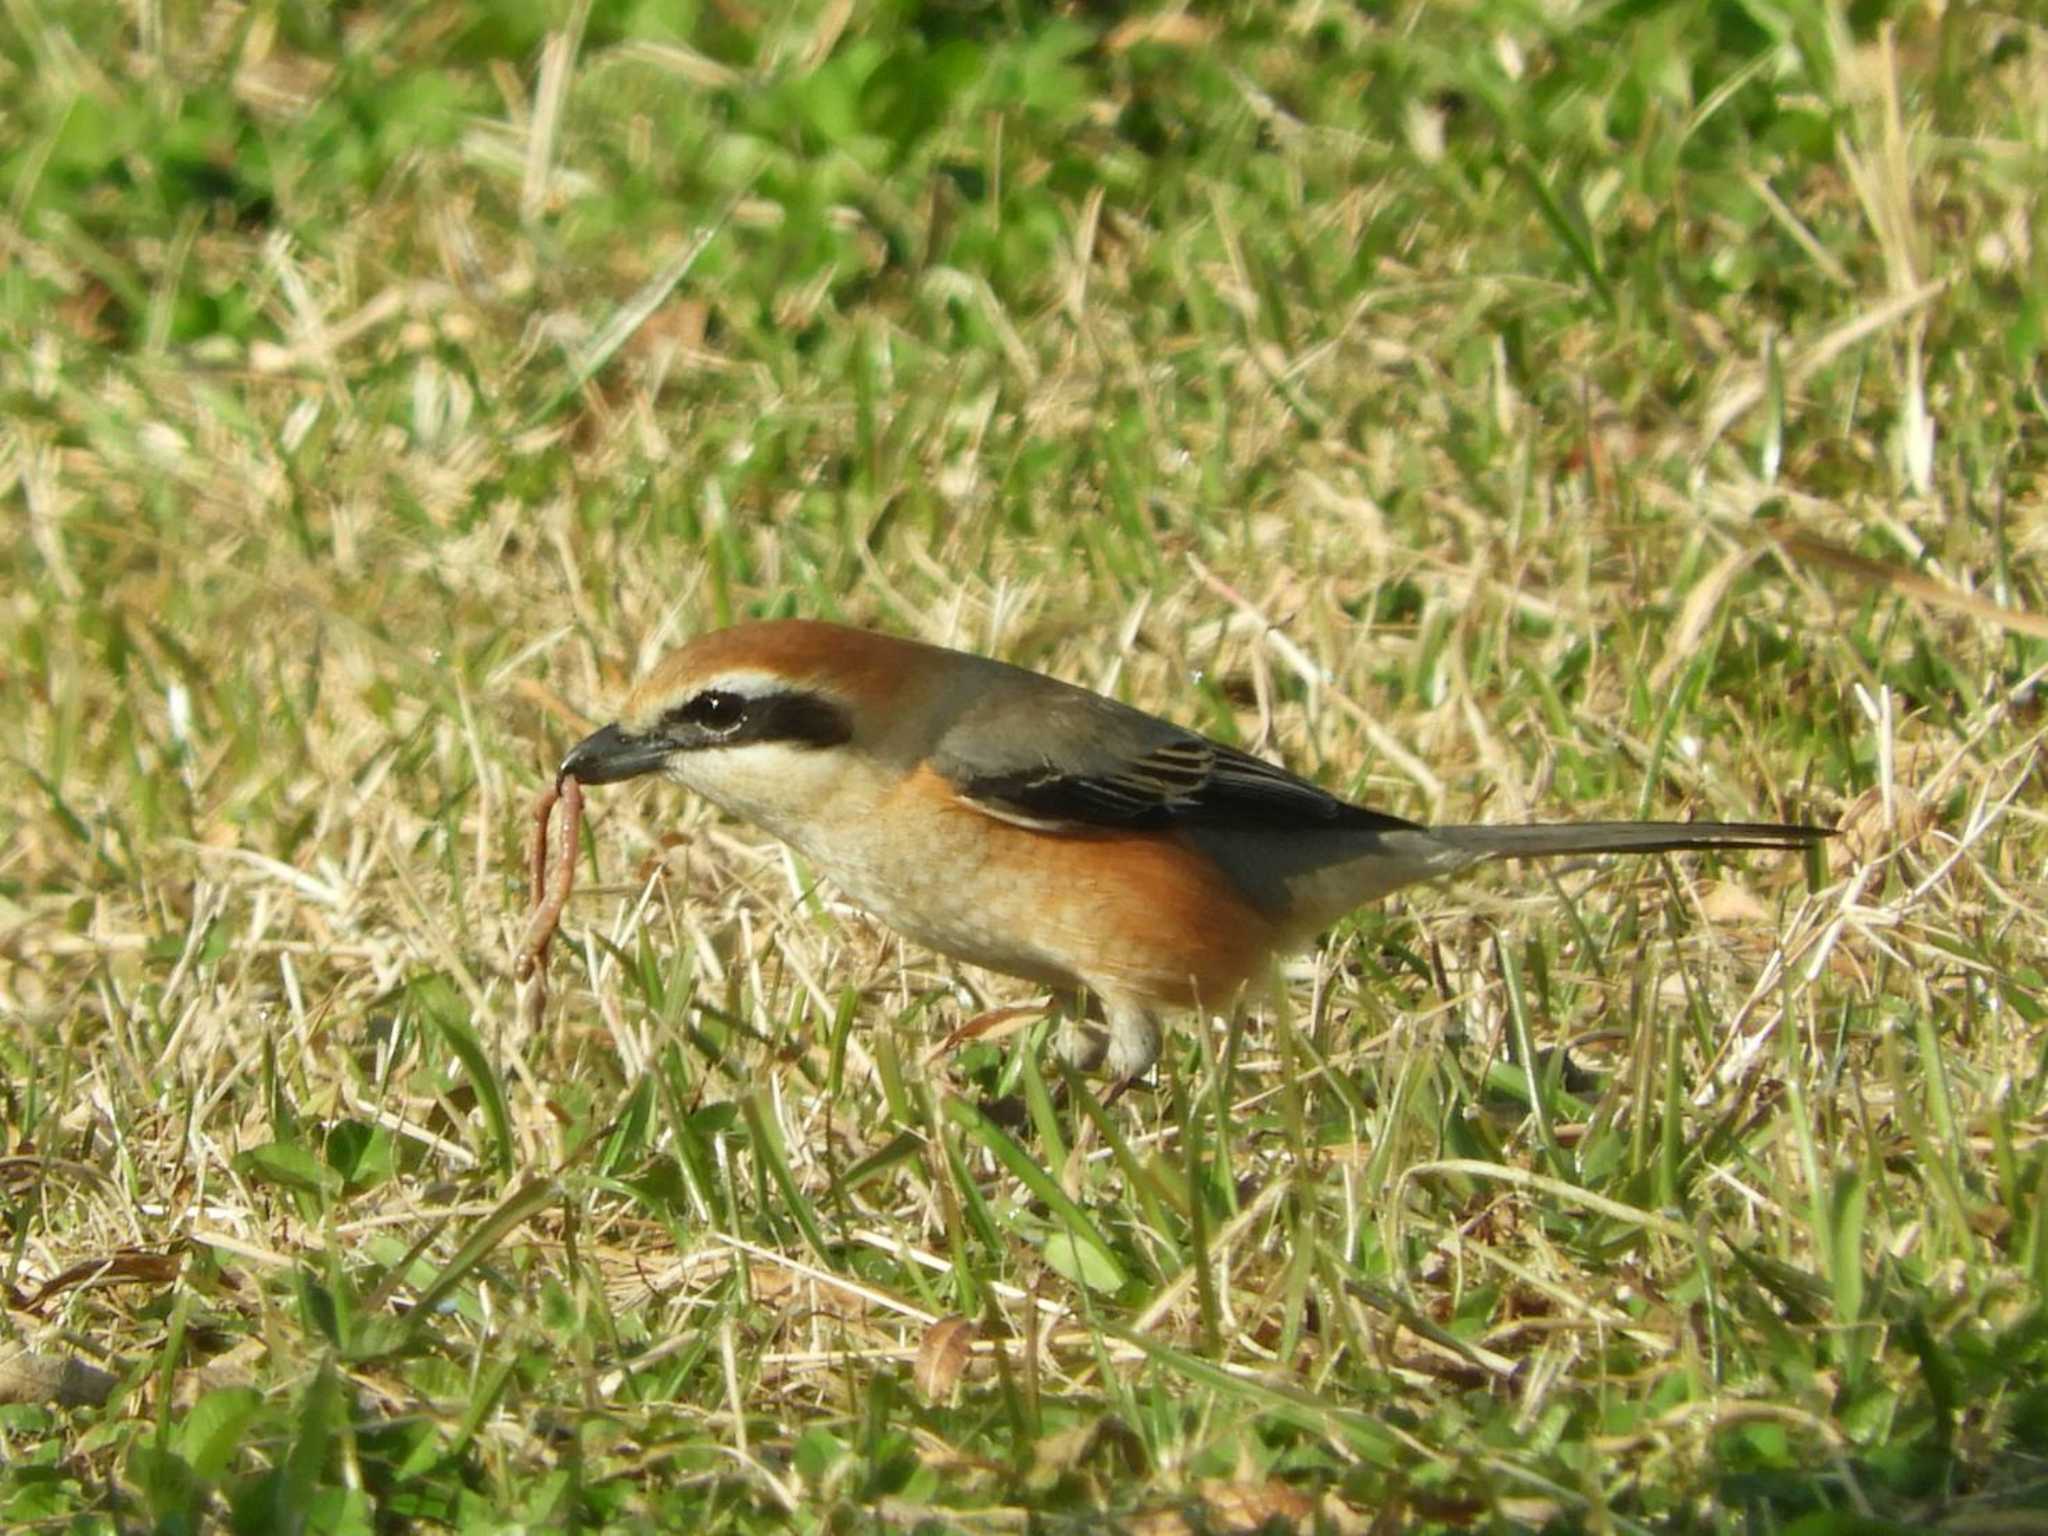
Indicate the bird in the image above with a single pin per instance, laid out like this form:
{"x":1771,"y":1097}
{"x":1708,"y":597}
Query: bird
{"x":1033,"y":827}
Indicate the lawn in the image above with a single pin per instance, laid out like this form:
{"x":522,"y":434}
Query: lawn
{"x":1495,"y":411}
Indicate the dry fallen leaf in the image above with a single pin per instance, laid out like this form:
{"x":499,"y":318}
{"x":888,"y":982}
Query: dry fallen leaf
{"x":942,"y":1357}
{"x":1868,"y":832}
{"x":130,"y":1265}
{"x":1227,"y":1508}
{"x":1729,"y":903}
{"x":996,"y":1024}
{"x":1171,"y":30}
{"x":1250,"y":1506}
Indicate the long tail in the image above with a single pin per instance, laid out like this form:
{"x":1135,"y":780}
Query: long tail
{"x":1548,"y":841}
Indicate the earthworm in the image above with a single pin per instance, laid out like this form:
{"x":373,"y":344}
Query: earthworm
{"x":549,"y":896}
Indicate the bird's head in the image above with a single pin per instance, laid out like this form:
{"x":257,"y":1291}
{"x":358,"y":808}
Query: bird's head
{"x":763,"y":719}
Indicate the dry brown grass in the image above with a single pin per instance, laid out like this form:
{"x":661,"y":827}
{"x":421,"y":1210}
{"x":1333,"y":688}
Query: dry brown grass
{"x":299,"y":623}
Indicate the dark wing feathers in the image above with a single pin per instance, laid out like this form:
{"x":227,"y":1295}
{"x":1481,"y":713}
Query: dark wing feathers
{"x":1095,"y":762}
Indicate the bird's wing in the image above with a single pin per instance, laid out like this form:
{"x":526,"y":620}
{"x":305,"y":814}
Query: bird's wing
{"x":1088,"y":761}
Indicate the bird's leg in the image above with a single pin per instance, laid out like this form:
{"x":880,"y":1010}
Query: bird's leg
{"x":1124,"y":1048}
{"x":1133,"y":1042}
{"x":1081,"y":1043}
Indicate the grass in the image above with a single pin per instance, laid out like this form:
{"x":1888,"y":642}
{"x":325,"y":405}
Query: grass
{"x":1493,"y":410}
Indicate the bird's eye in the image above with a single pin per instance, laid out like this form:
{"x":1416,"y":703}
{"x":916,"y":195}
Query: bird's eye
{"x":714,"y":710}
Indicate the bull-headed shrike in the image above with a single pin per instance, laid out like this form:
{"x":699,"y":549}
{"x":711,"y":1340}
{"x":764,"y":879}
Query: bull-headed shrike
{"x":1020,"y":823}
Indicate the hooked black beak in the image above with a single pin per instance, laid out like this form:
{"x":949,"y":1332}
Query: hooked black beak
{"x":609,"y":755}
